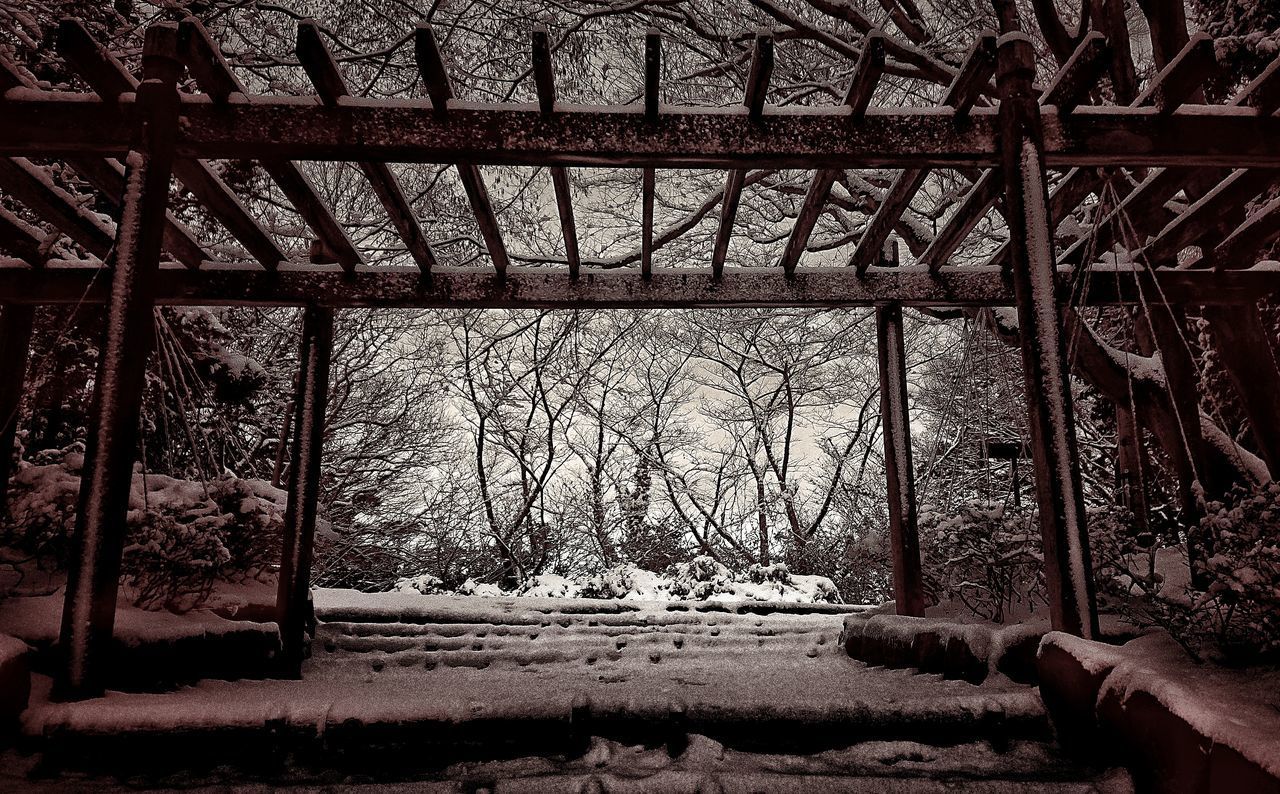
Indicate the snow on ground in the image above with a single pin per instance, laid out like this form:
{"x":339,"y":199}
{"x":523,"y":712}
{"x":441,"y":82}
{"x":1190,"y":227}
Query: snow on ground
{"x":38,"y":619}
{"x":700,"y":579}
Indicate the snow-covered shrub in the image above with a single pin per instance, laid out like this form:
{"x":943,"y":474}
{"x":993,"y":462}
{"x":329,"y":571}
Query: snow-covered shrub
{"x":423,"y":583}
{"x":699,"y":579}
{"x":984,"y":556}
{"x":182,"y":536}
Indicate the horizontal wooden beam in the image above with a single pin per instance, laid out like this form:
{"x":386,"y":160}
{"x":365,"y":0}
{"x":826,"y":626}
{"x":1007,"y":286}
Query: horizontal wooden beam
{"x":301,"y":128}
{"x":328,"y":285}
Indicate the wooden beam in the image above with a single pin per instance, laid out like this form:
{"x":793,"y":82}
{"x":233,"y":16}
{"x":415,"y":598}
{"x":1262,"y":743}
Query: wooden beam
{"x":1070,"y":86}
{"x":545,"y":81}
{"x":1207,"y":215}
{"x":108,"y":177}
{"x":895,"y":421}
{"x":114,"y":83}
{"x":648,"y":177}
{"x":1050,"y":420}
{"x":214,"y":76}
{"x":967,"y":87}
{"x":30,"y":184}
{"x":15,"y":346}
{"x":753,"y":98}
{"x":866,"y":76}
{"x":293,"y":601}
{"x":21,"y":239}
{"x":88,"y":616}
{"x":54,"y":125}
{"x":321,"y":67}
{"x":1182,"y":78}
{"x":439,"y":88}
{"x":403,"y":287}
{"x":1241,"y":247}
{"x":1079,"y":75}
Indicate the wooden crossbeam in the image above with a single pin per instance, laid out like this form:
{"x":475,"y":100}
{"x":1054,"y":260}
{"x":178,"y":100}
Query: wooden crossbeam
{"x":1069,"y":87}
{"x":214,"y":76}
{"x":545,"y":82}
{"x":21,"y":239}
{"x":321,"y":67}
{"x":757,"y":85}
{"x":30,"y":184}
{"x":111,"y":80}
{"x":964,"y":91}
{"x":648,"y":177}
{"x":866,"y":75}
{"x":440,"y":89}
{"x":218,"y":284}
{"x":55,"y":125}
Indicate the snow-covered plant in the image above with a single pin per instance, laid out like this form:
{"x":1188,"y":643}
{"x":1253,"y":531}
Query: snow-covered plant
{"x":182,"y":536}
{"x":985,"y":556}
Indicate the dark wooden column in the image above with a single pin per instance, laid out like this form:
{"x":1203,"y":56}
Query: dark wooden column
{"x":1053,"y":444}
{"x":895,"y":419}
{"x":88,"y":616}
{"x":15,"y":343}
{"x":1131,"y":467}
{"x":293,"y":598}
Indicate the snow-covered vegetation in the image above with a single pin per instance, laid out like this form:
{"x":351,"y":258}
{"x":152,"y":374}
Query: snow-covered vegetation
{"x":700,"y":579}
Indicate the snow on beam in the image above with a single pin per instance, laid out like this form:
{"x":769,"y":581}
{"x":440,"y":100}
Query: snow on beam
{"x":47,"y":125}
{"x":757,"y":85}
{"x":117,"y":88}
{"x":964,"y":91}
{"x":545,"y":81}
{"x":1079,"y":75}
{"x":1181,"y":79}
{"x":434,"y":75}
{"x":298,"y":284}
{"x":31,"y":184}
{"x":321,"y":67}
{"x":866,"y":75}
{"x":214,"y":76}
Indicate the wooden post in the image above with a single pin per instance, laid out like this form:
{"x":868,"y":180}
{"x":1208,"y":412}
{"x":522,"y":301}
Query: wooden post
{"x":15,"y":343}
{"x":293,"y":598}
{"x":895,"y":420}
{"x":1053,"y":444}
{"x":88,"y":616}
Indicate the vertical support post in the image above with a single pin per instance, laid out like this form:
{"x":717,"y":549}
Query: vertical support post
{"x":1068,"y":574}
{"x":895,"y":419}
{"x":293,"y":597}
{"x":88,"y":615}
{"x":15,"y":344}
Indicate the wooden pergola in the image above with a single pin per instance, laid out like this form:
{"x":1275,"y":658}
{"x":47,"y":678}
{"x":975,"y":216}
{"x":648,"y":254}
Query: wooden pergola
{"x":129,"y":138}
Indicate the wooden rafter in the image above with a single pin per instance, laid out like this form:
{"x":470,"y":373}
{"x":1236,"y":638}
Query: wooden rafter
{"x":112,"y":81}
{"x":648,"y":177}
{"x":866,"y":76}
{"x":21,"y":239}
{"x":965,"y":90}
{"x":214,"y":76}
{"x":330,"y":86}
{"x":30,"y":184}
{"x":1070,"y":86}
{"x":545,"y":82}
{"x":440,"y":89}
{"x":107,"y":177}
{"x":757,"y":85}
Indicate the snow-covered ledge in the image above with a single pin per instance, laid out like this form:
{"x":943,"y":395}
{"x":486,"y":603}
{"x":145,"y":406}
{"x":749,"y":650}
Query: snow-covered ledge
{"x":1177,"y":725}
{"x":15,"y":682}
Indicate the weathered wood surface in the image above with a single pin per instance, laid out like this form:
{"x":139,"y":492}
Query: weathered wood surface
{"x":296,"y":285}
{"x":301,"y":128}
